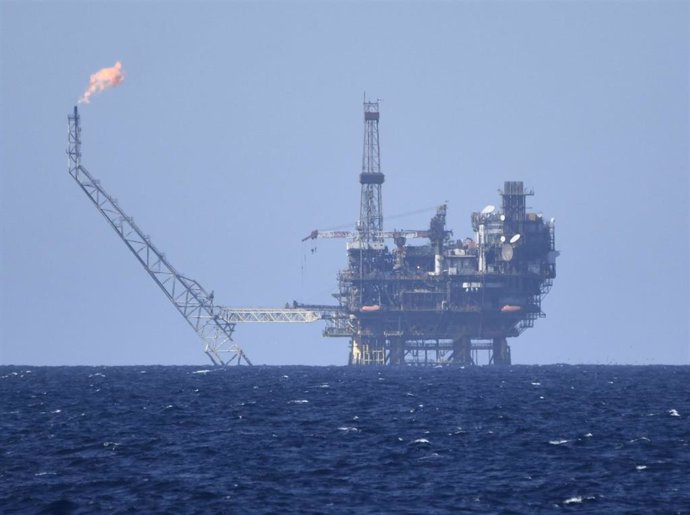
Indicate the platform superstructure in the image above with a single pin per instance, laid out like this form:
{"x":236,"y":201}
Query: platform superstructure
{"x":444,"y":300}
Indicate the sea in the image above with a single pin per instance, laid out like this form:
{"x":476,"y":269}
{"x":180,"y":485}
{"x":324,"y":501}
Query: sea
{"x":283,"y":440}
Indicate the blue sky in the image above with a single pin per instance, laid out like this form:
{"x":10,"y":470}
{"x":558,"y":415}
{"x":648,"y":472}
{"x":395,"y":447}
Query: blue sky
{"x":239,"y":129}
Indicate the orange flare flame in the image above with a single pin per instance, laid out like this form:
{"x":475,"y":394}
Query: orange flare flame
{"x":103,"y":79}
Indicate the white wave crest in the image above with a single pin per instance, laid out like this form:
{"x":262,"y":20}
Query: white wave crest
{"x":558,"y":442}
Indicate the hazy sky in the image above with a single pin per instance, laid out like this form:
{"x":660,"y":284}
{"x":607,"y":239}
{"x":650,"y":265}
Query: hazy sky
{"x":239,"y":129}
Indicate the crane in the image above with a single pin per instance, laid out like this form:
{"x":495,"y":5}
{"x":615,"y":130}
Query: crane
{"x":214,"y":324}
{"x":436,"y":231}
{"x":352,"y":234}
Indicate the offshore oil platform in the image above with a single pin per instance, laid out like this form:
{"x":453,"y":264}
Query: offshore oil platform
{"x":444,"y":301}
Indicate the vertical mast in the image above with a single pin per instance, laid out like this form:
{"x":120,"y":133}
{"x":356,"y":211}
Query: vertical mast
{"x":371,"y":211}
{"x":74,"y":143}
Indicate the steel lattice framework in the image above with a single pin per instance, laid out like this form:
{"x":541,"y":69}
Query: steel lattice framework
{"x":408,"y":234}
{"x":272,"y":315}
{"x":371,"y":209}
{"x":214,"y":324}
{"x":193,"y":302}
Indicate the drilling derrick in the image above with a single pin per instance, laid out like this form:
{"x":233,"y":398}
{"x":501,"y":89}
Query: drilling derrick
{"x":367,"y":251}
{"x":367,"y":246}
{"x":370,"y":223}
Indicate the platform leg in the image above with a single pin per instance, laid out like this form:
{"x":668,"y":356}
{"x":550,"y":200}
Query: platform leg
{"x":355,"y":352}
{"x":396,"y":355}
{"x":462,"y":351}
{"x":501,"y":352}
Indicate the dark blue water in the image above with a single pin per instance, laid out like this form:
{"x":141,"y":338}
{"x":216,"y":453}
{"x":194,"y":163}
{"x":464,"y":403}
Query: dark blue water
{"x":345,"y":440}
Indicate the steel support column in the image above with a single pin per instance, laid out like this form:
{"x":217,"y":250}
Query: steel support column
{"x":396,"y":355}
{"x":501,"y":352}
{"x":462,"y":351}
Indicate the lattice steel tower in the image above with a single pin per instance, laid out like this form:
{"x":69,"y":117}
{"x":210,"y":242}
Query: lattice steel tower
{"x":370,"y":223}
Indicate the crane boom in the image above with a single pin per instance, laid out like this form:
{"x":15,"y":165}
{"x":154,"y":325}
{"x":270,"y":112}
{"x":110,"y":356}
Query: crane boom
{"x":193,"y":302}
{"x":351,"y":234}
